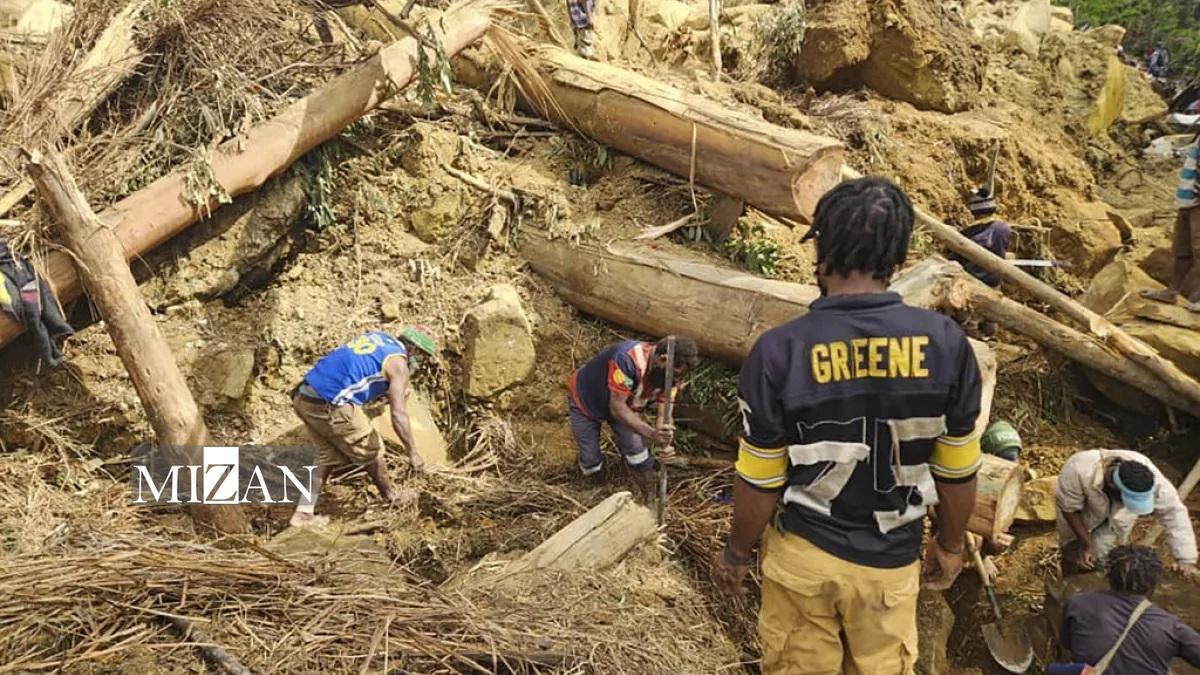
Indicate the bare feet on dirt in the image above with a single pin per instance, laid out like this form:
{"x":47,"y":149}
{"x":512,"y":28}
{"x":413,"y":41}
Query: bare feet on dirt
{"x":301,"y":519}
{"x":1164,"y":295}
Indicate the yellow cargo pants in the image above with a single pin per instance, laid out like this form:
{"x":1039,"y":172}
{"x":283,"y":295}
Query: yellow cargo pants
{"x":822,"y":615}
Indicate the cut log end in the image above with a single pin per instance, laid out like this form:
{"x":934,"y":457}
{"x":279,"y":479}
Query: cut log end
{"x":997,"y":497}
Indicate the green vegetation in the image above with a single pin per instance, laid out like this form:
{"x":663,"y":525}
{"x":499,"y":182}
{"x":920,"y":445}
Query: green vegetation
{"x":750,"y":247}
{"x":781,"y":31}
{"x":1175,"y":22}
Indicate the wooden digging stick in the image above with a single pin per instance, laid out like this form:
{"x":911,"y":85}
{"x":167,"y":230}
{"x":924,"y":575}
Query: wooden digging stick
{"x":668,"y":419}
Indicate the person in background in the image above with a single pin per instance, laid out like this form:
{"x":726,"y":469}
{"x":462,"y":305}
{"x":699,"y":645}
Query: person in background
{"x":1099,"y":497}
{"x":615,"y":386}
{"x":583,"y":14}
{"x":857,"y":417}
{"x":331,"y":398}
{"x":988,"y":231}
{"x":1159,"y":60}
{"x":1186,"y":239}
{"x":1120,"y":627}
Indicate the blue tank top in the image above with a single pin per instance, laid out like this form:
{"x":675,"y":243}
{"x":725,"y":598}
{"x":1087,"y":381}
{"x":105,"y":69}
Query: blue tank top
{"x":353,"y":373}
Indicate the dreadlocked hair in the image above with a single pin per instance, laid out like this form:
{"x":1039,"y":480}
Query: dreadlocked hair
{"x":1133,"y":569}
{"x":863,"y":225}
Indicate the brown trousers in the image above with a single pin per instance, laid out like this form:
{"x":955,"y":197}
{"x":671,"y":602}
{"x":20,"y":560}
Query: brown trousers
{"x":344,"y":431}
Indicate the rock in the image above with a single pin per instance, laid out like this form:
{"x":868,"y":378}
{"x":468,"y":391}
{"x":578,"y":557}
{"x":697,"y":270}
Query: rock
{"x":1116,"y":284}
{"x":1169,"y":330}
{"x":1037,"y":500}
{"x":1028,"y":25}
{"x":43,"y":17}
{"x":390,"y":310}
{"x":427,"y":148}
{"x":909,"y":50}
{"x":838,"y":37}
{"x":1142,"y":103}
{"x":1084,"y":234}
{"x":1064,"y":14}
{"x":1110,"y":36}
{"x":669,"y":14}
{"x":431,"y":445}
{"x":1110,"y":101}
{"x":433,"y":223}
{"x":935,"y":622}
{"x":1059,"y":26}
{"x":499,"y":343}
{"x":230,"y":373}
{"x":240,"y":243}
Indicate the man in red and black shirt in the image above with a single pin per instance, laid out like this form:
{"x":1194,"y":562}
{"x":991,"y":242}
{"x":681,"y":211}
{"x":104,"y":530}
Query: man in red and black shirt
{"x":615,"y":386}
{"x":858,"y":417}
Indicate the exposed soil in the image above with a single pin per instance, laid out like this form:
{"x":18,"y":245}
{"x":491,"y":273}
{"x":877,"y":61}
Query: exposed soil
{"x":403,"y":241}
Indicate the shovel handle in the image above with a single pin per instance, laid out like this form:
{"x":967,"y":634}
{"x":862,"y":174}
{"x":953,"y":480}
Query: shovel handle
{"x":983,"y":577}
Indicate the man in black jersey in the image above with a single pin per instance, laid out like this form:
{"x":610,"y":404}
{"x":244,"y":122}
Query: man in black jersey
{"x":857,"y":417}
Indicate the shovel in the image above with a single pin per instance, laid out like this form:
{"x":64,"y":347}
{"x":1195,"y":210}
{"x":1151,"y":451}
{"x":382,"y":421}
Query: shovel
{"x":1012,"y":651}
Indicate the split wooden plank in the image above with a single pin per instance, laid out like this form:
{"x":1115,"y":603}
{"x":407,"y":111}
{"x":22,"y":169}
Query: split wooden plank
{"x":599,"y":538}
{"x":151,"y":216}
{"x":169,"y":405}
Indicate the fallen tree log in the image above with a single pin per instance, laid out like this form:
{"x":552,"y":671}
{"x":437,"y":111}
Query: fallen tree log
{"x":1107,"y":332}
{"x":154,"y":214}
{"x":1073,"y":344}
{"x":169,"y":405}
{"x":781,"y":171}
{"x":725,"y":310}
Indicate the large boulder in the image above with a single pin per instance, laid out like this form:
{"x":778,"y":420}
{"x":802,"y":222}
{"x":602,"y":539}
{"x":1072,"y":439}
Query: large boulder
{"x":1084,"y":234}
{"x":909,"y":50}
{"x":499,"y":343}
{"x":1037,"y":500}
{"x":1170,"y":330}
{"x":838,"y":38}
{"x":1028,"y":26}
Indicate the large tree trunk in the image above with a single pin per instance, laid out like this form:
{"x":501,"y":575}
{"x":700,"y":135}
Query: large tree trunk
{"x":143,"y":350}
{"x":154,"y":214}
{"x":781,"y":171}
{"x":725,"y":310}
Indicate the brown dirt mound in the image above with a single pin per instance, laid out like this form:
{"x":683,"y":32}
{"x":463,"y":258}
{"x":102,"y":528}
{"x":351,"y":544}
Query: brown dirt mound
{"x":909,"y":50}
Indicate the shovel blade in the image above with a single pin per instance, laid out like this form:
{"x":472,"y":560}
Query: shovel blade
{"x":1013,"y":652}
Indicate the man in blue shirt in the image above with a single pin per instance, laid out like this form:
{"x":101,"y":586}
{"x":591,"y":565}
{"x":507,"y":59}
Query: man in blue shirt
{"x":331,"y":398}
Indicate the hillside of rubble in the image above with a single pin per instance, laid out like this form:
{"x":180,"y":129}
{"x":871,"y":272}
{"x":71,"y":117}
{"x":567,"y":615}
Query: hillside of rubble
{"x":417,"y":212}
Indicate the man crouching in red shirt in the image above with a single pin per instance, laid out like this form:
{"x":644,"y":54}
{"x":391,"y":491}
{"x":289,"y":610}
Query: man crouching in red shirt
{"x":615,"y":386}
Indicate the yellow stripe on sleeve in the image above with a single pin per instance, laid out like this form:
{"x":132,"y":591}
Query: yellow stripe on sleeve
{"x":956,"y":457}
{"x":762,"y":467}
